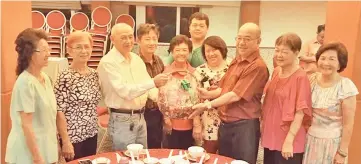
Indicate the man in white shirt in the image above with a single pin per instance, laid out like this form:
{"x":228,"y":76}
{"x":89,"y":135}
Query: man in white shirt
{"x":126,"y":86}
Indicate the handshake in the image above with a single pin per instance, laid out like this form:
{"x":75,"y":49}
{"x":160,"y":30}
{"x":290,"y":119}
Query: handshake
{"x":161,"y":79}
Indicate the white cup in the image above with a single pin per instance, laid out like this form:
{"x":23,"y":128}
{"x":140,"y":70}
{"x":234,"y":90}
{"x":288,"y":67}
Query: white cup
{"x":135,"y":149}
{"x":181,"y":161}
{"x":239,"y":162}
{"x":196,"y":151}
{"x":151,"y":160}
{"x":102,"y":160}
{"x":136,"y":162}
{"x":165,"y":161}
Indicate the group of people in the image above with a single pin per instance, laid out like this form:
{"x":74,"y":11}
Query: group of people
{"x":305,"y":117}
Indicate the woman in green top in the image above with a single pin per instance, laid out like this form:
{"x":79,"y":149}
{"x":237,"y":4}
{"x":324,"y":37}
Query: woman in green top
{"x":33,"y":110}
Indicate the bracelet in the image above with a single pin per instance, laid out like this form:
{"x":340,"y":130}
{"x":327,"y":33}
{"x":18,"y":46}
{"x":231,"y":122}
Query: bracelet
{"x":208,"y":104}
{"x":342,"y":153}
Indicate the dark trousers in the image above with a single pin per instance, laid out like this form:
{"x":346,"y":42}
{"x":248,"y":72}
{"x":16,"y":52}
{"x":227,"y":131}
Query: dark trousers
{"x":154,"y":120}
{"x":180,"y":139}
{"x":85,"y":148}
{"x":240,"y":140}
{"x":275,"y":157}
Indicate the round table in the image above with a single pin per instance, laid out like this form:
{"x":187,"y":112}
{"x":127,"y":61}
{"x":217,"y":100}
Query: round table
{"x":158,"y":153}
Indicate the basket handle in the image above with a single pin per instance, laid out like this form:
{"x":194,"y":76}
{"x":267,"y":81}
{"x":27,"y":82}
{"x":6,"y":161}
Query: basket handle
{"x":183,"y":71}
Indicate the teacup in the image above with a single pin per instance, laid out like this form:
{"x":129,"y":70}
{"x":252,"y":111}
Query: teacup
{"x":181,"y":161}
{"x":136,"y":162}
{"x":196,"y":151}
{"x":239,"y":162}
{"x":151,"y":160}
{"x":102,"y":160}
{"x":135,"y":149}
{"x":165,"y":161}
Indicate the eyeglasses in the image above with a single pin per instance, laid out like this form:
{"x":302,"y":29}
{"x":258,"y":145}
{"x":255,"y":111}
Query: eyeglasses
{"x":80,"y":49}
{"x":47,"y":50}
{"x":245,"y":40}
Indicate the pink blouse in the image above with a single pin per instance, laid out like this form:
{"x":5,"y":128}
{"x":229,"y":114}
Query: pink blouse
{"x":285,"y":96}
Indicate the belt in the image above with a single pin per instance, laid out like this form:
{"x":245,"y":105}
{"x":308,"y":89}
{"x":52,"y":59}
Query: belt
{"x":128,"y":111}
{"x":151,"y":109}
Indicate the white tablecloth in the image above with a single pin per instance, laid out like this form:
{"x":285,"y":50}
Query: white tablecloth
{"x":55,"y":66}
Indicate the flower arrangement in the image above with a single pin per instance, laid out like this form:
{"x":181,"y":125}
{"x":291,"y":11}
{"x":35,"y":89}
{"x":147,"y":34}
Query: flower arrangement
{"x":178,"y":96}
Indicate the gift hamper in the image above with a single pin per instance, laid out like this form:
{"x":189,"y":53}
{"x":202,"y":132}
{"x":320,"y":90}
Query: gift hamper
{"x":178,"y":95}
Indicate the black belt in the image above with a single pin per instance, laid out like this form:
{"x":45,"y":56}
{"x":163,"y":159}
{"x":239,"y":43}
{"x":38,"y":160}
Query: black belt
{"x":127,"y":111}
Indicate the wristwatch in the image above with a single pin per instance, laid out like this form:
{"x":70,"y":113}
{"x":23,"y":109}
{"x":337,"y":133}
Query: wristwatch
{"x":208,"y":104}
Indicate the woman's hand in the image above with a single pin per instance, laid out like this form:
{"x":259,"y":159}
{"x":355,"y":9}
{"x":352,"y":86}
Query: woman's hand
{"x":39,"y":161}
{"x":68,"y":150}
{"x":167,"y":126}
{"x":338,"y":159}
{"x":287,"y":150}
{"x":197,"y":133}
{"x":203,"y":93}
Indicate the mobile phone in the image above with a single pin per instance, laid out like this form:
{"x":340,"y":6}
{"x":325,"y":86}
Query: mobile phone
{"x":85,"y":161}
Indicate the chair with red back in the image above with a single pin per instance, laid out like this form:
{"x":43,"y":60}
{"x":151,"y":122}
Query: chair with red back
{"x":100,"y":28}
{"x":125,"y":18}
{"x":38,"y":20}
{"x":56,"y":21}
{"x":78,"y":22}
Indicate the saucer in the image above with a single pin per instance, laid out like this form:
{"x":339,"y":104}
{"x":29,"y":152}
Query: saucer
{"x":94,"y":161}
{"x":190,"y":158}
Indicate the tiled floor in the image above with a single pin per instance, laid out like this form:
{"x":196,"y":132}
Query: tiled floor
{"x":107,"y":146}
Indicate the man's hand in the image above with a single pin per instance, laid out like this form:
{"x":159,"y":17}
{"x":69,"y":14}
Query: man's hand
{"x":160,"y":80}
{"x":198,"y":110}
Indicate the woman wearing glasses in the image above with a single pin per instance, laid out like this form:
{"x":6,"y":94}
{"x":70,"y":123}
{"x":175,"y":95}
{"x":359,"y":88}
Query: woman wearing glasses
{"x":32,"y":139}
{"x":78,"y":93}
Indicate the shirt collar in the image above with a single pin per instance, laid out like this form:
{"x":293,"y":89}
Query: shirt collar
{"x":118,"y":56}
{"x":154,"y":60}
{"x":315,"y":41}
{"x":249,"y":58}
{"x":189,"y":67}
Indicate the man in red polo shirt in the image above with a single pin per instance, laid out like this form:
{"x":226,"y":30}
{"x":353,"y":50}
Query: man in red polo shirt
{"x":238,"y":98}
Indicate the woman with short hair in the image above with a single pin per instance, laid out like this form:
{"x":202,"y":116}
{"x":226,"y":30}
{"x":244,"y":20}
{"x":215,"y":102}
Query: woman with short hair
{"x":77,"y":91}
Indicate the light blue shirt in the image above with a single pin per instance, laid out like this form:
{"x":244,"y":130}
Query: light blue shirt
{"x":30,"y":96}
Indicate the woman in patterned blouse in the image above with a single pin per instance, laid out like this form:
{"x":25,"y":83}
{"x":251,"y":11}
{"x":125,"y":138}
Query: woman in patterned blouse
{"x":78,"y":93}
{"x":214,"y":51}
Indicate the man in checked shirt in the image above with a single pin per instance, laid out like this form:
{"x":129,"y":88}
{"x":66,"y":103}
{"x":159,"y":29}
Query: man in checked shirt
{"x":147,"y":39}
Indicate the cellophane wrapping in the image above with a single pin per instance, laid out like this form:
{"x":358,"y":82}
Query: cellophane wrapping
{"x":178,"y":96}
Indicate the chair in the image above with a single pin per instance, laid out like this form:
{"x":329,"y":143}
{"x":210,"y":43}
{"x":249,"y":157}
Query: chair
{"x":38,"y":20}
{"x":125,"y":18}
{"x":100,"y":27}
{"x":78,"y":22}
{"x":56,"y":21}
